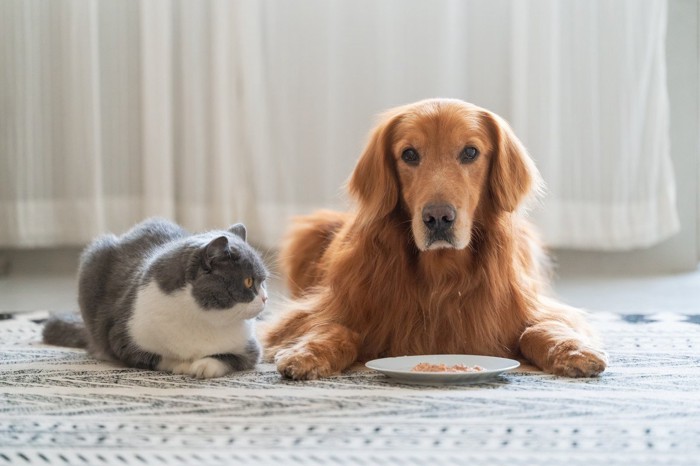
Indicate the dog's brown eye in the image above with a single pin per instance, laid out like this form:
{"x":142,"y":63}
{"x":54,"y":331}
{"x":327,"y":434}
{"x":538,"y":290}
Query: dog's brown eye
{"x":410,"y":156}
{"x":469,"y":154}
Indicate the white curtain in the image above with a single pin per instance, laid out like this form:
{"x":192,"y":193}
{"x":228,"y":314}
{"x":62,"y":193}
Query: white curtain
{"x":590,"y":103}
{"x":213,"y":112}
{"x":118,"y":110}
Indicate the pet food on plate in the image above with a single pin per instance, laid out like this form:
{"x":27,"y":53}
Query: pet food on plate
{"x":427,"y":367}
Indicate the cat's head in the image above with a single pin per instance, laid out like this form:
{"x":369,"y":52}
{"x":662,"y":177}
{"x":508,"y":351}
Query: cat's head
{"x":230,"y":274}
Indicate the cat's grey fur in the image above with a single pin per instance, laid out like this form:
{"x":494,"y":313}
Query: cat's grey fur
{"x":115,"y":270}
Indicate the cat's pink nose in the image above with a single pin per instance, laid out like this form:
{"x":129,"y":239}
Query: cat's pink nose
{"x":264,"y":299}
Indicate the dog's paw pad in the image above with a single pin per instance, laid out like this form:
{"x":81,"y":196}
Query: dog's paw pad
{"x":574,"y":360}
{"x":299,"y":364}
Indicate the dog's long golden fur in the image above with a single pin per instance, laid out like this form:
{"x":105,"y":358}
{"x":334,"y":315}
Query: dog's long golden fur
{"x":436,"y":258}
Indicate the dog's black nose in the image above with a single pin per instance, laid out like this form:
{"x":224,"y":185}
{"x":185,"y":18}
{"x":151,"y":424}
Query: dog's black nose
{"x":439,"y":217}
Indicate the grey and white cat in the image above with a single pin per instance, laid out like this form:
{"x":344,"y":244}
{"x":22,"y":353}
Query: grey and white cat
{"x":160,"y":298}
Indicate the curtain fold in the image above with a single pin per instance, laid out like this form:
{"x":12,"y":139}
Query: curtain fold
{"x":590,"y":103}
{"x":218,"y":111}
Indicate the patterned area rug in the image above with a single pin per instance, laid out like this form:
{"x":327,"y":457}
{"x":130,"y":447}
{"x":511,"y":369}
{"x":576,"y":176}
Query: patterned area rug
{"x":58,"y":406}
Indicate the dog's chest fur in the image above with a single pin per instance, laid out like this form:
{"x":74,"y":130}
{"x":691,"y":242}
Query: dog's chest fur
{"x":444,"y":310}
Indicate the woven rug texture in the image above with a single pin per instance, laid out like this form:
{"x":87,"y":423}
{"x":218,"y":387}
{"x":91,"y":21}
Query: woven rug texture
{"x":59,"y":406}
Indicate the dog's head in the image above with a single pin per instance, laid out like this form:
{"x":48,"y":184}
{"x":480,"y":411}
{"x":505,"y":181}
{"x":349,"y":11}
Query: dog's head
{"x":443,"y":162}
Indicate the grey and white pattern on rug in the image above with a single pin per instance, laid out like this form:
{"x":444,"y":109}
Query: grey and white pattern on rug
{"x":58,"y":406}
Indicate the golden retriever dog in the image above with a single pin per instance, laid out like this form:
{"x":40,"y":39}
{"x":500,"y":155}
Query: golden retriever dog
{"x":436,"y":258}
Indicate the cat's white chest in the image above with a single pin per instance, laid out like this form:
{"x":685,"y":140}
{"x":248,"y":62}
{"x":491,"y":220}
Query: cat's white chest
{"x":174,"y":326}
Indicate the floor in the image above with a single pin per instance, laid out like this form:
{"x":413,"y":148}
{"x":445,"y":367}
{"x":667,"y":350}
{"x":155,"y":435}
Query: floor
{"x":632,"y":294}
{"x":45,"y":280}
{"x":60,"y":406}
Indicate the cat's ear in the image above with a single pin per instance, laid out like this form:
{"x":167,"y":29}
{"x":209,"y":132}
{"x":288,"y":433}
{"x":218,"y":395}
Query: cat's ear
{"x":216,"y":249}
{"x":239,"y":230}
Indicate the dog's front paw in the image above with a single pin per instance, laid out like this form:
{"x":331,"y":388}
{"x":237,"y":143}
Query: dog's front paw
{"x":207,"y":368}
{"x":573,"y":359}
{"x":301,"y":364}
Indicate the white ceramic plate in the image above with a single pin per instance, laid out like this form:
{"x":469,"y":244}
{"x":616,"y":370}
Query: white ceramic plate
{"x":400,"y":368}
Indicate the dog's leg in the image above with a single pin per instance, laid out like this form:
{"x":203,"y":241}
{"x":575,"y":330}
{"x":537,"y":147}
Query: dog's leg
{"x":326,"y":350}
{"x":555,"y":347}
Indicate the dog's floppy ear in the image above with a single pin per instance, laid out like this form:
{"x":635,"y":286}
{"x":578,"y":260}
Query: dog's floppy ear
{"x":374,"y":182}
{"x":513,"y":173}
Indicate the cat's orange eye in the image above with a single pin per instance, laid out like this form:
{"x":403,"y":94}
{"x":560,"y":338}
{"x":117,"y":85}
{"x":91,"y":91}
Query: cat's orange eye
{"x":248,"y":282}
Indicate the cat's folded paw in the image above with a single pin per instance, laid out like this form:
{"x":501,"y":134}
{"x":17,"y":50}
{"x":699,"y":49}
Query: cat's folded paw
{"x":301,"y":364}
{"x":182,"y":368}
{"x":572,"y":359}
{"x":175,"y":366}
{"x":207,"y":368}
